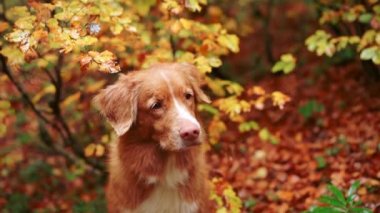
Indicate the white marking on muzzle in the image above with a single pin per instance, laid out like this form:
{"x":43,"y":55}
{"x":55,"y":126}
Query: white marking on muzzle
{"x":181,"y":110}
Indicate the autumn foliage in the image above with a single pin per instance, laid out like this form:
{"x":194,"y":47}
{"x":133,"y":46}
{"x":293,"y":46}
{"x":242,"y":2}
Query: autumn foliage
{"x":272,"y":144}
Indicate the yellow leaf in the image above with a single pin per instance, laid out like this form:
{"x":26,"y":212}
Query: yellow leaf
{"x":105,"y":139}
{"x":256,"y":90}
{"x":234,"y":88}
{"x":26,"y":23}
{"x":71,"y":99}
{"x":279,"y":99}
{"x":4,"y":104}
{"x":86,"y":41}
{"x":106,"y":61}
{"x":50,"y":89}
{"x":16,"y":12}
{"x":215,"y":87}
{"x":185,"y":56}
{"x":229,"y":41}
{"x":233,"y":106}
{"x":186,"y":23}
{"x":143,"y":6}
{"x":117,"y":29}
{"x":100,"y":150}
{"x":259,"y":103}
{"x":215,"y":130}
{"x":95,"y":87}
{"x":14,"y":55}
{"x":90,"y":150}
{"x":214,"y":61}
{"x":202,"y":64}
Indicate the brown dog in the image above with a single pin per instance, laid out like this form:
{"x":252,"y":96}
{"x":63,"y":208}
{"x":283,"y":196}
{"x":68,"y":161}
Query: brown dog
{"x":157,"y":164}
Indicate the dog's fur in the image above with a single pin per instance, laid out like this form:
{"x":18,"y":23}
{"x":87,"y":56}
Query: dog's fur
{"x":152,"y":168}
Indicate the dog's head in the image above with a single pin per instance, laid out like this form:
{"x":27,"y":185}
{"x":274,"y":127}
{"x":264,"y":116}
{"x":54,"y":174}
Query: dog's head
{"x":158,"y":102}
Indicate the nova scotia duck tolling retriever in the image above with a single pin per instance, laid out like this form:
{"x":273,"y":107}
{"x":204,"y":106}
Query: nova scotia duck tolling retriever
{"x":157,"y":164}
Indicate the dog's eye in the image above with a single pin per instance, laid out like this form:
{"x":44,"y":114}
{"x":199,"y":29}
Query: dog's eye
{"x":188,"y":96}
{"x":156,"y":105}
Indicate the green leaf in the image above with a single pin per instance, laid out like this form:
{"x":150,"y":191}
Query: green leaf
{"x":337,"y":193}
{"x":307,"y":110}
{"x":36,"y":171}
{"x":331,"y":201}
{"x":208,"y":108}
{"x":143,"y":6}
{"x":250,"y":203}
{"x":333,"y":151}
{"x":321,"y":162}
{"x":354,"y":187}
{"x":351,"y":198}
{"x":248,"y":126}
{"x":264,"y":134}
{"x":286,"y":64}
{"x":17,"y":12}
{"x":376,"y":9}
{"x":365,"y":18}
{"x":324,"y":210}
{"x":17,"y":203}
{"x":360,"y":210}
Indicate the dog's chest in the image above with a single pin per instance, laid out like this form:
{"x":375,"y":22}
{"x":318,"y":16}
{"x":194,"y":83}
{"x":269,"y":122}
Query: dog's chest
{"x":166,"y":197}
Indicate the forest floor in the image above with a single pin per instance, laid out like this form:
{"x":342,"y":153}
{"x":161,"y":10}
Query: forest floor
{"x":338,"y":143}
{"x":329,"y":132}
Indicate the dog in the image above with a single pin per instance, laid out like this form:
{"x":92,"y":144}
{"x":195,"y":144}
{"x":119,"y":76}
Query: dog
{"x":157,"y":164}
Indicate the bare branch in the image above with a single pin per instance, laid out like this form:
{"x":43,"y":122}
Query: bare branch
{"x":50,"y":76}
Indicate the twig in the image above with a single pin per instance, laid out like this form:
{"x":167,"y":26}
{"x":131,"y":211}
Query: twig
{"x":48,"y":141}
{"x":2,"y":15}
{"x":171,"y":40}
{"x":21,"y":89}
{"x":267,"y":36}
{"x":172,"y":45}
{"x":50,"y":76}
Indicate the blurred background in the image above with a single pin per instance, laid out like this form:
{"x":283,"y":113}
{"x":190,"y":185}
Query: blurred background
{"x":293,"y":127}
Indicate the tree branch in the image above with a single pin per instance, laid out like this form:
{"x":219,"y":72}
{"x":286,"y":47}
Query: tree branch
{"x":56,"y":148}
{"x":50,"y":76}
{"x":64,"y":133}
{"x":267,"y":35}
{"x":71,"y":141}
{"x":172,"y":45}
{"x":21,"y":89}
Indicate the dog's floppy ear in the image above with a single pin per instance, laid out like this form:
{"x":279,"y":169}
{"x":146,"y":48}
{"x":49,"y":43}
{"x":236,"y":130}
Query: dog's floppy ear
{"x":118,"y":103}
{"x":196,"y":80}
